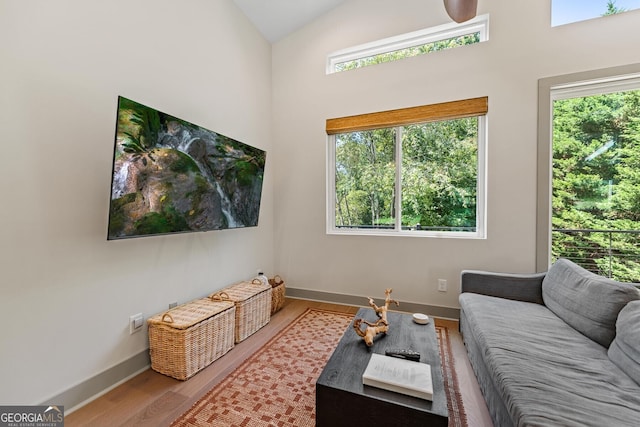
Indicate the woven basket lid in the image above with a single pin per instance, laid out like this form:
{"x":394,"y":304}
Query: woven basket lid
{"x":186,"y":315}
{"x":244,"y":290}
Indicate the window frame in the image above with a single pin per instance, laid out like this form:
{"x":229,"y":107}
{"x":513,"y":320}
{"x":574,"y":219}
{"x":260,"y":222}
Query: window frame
{"x":561,"y":11}
{"x":613,"y":79}
{"x":476,"y":107}
{"x":479,"y":24}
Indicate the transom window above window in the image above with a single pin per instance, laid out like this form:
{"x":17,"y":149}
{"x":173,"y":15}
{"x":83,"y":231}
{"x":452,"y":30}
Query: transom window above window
{"x":416,"y":43}
{"x":569,"y":11}
{"x":416,"y":171}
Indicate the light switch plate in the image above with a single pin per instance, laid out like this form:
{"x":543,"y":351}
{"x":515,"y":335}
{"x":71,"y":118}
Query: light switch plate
{"x":135,"y":323}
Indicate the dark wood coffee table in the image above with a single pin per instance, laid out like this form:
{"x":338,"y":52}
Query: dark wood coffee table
{"x":342,"y":399}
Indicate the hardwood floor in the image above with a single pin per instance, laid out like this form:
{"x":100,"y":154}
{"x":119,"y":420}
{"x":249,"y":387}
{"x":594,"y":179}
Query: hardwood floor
{"x":153,"y":399}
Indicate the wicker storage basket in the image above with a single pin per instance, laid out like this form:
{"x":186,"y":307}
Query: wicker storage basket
{"x":188,"y":338}
{"x":253,"y":307}
{"x":277,"y":293}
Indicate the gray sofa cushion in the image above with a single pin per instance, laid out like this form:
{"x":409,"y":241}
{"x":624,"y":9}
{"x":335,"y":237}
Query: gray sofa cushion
{"x":544,"y":371}
{"x":625,"y":348}
{"x":519,"y":287}
{"x":586,"y":301}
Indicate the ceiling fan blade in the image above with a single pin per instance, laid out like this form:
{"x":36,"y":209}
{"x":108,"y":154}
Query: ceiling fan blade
{"x":461,"y":10}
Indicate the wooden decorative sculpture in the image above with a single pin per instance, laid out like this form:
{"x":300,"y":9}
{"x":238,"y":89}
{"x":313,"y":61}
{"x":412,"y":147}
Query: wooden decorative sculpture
{"x":381,"y":325}
{"x":461,"y":10}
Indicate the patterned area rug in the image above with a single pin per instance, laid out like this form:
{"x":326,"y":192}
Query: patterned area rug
{"x":276,"y":385}
{"x":457,"y":415}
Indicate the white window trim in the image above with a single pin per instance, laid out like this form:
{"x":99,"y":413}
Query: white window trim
{"x":595,"y":87}
{"x":417,"y":38}
{"x":481,"y":195}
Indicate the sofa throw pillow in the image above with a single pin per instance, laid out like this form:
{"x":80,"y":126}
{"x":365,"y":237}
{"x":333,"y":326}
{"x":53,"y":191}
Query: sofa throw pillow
{"x":586,"y":301}
{"x":625,"y":348}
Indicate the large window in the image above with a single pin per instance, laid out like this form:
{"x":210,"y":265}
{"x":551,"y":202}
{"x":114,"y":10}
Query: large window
{"x":416,"y":171}
{"x":595,"y":184}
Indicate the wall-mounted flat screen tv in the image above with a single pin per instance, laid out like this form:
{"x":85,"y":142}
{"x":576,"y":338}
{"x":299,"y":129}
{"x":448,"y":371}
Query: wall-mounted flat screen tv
{"x":171,"y":176}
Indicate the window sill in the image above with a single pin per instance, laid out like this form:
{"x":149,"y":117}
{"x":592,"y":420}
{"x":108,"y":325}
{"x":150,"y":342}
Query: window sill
{"x":408,"y":233}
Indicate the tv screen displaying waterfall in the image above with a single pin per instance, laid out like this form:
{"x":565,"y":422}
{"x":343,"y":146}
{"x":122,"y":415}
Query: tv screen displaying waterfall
{"x":171,"y":176}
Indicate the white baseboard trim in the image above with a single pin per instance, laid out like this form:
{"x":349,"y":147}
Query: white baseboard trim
{"x":82,"y":393}
{"x":359,"y":301}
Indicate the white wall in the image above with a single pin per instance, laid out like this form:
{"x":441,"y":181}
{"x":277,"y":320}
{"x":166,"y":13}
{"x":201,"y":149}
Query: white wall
{"x":522,"y":49}
{"x":66,"y":293}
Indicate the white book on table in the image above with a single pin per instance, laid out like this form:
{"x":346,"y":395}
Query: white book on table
{"x":399,"y":375}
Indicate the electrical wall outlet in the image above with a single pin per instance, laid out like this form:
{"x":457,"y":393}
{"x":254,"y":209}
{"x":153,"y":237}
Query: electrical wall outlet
{"x":442,"y":285}
{"x":135,"y":323}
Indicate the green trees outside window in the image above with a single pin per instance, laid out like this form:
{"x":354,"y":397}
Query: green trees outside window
{"x":409,"y":52}
{"x":596,"y":183}
{"x":436,"y":164}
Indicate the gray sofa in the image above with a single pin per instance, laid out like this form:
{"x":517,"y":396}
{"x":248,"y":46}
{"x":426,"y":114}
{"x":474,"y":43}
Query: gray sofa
{"x":560,"y":348}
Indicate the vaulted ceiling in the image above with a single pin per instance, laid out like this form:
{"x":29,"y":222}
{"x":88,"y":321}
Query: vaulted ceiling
{"x":275,"y":19}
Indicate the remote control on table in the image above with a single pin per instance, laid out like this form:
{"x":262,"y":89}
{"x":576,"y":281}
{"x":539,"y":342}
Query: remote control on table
{"x":403,"y":353}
